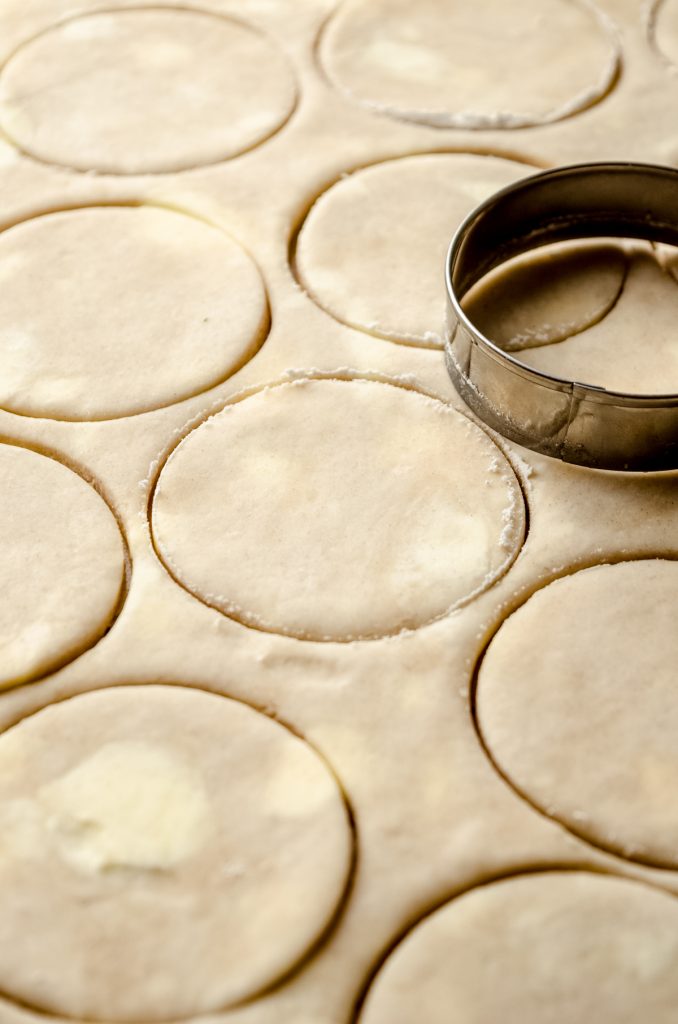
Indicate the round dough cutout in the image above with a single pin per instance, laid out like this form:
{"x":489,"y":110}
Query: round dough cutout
{"x":139,"y":308}
{"x":548,"y":948}
{"x":337,"y":510}
{"x":62,"y":565}
{"x":576,"y":704}
{"x":144,"y":91}
{"x":372,"y":249}
{"x":166,"y":852}
{"x":625,"y":350}
{"x":480,"y":64}
{"x":547,"y":296}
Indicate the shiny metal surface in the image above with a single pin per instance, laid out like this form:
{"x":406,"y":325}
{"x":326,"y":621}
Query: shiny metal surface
{"x":566,"y":419}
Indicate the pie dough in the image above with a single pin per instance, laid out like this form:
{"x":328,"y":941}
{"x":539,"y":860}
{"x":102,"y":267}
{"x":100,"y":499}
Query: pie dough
{"x":664,"y":28}
{"x":550,"y":948}
{"x":148,"y":307}
{"x":337,"y":509}
{"x":627,"y":350}
{"x":547,"y":296}
{"x":144,"y":91}
{"x":585,"y":723}
{"x":372,"y":249}
{"x":159,"y":860}
{"x":62,"y":565}
{"x":480,"y":64}
{"x":165,"y":852}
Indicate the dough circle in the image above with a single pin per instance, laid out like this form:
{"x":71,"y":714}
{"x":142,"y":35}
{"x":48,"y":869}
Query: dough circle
{"x":627,"y":350}
{"x":547,"y":296}
{"x":146,"y":90}
{"x":372,"y":249}
{"x":337,"y":510}
{"x":576,"y":703}
{"x":665,"y":29}
{"x":62,"y":565}
{"x":479,"y":64}
{"x":166,"y":852}
{"x":549,"y":948}
{"x":147,"y":307}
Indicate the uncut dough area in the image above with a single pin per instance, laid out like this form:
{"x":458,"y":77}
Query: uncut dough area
{"x":363,"y":785}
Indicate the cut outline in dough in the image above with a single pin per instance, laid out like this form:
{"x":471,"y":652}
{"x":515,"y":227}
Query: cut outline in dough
{"x":438,"y":120}
{"x":574,"y":329}
{"x":505,"y":614}
{"x":334,"y":920}
{"x":181,"y":7}
{"x":650,"y":12}
{"x":55,"y":666}
{"x":178,"y":209}
{"x":301,"y":216}
{"x":538,"y":868}
{"x":347,"y":375}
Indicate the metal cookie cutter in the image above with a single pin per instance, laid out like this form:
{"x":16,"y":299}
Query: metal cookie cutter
{"x":572,"y":421}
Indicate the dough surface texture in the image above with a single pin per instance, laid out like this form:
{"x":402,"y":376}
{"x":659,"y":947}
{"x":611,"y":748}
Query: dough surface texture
{"x":550,"y":948}
{"x":165,"y":852}
{"x":334,"y":510}
{"x":585,"y":723}
{"x":144,"y":91}
{"x":372,"y":248}
{"x":480,"y":64}
{"x":140,"y":307}
{"x":62,"y":565}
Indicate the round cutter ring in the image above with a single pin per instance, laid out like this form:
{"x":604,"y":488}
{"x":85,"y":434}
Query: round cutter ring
{"x":569,"y":420}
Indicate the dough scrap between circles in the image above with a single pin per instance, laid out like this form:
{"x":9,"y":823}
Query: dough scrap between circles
{"x":480,"y":64}
{"x":547,"y":948}
{"x":62,"y":565}
{"x":145,"y":90}
{"x":166,"y":852}
{"x":337,"y":510}
{"x":547,"y":296}
{"x":372,"y":249}
{"x":585,"y":722}
{"x":139,"y":307}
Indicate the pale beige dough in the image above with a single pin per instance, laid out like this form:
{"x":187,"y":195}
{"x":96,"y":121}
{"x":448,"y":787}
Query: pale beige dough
{"x":634,"y":348}
{"x":545,"y":297}
{"x":549,"y":948}
{"x":62,"y":565}
{"x":584,"y":722}
{"x":333,"y":510}
{"x":372,"y":249}
{"x":139,"y":307}
{"x":480,"y":64}
{"x":148,"y":90}
{"x":665,"y":28}
{"x":165,"y":852}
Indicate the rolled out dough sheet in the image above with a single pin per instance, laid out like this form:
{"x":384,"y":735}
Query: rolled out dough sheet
{"x":253,"y":548}
{"x":472,"y":64}
{"x":63,"y":564}
{"x":165,"y":852}
{"x":347,"y":509}
{"x":145,"y":90}
{"x":538,"y":949}
{"x":148,"y":306}
{"x":590,"y":738}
